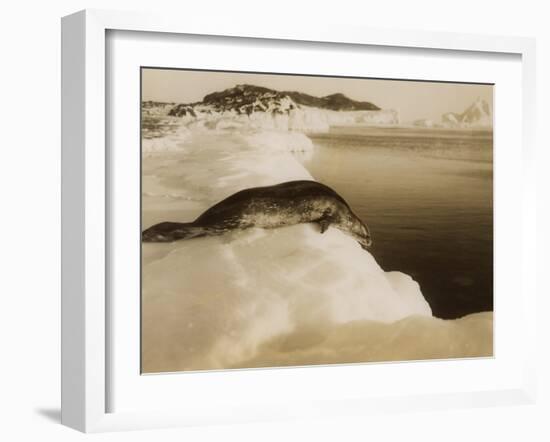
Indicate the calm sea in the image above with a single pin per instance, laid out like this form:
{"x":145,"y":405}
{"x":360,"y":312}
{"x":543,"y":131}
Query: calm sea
{"x":427,"y":197}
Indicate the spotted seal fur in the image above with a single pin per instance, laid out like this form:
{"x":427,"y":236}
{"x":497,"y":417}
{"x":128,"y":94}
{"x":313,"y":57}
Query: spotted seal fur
{"x":269,"y":207}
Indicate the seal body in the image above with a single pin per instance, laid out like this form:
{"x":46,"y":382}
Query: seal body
{"x":269,"y":207}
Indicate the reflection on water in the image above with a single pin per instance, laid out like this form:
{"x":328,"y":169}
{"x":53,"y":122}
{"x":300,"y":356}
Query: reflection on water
{"x":426,"y":196}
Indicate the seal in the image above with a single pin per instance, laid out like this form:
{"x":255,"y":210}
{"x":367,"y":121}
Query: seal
{"x":269,"y":207}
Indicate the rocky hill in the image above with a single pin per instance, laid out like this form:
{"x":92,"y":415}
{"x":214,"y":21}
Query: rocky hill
{"x":245,"y":99}
{"x":256,"y":107}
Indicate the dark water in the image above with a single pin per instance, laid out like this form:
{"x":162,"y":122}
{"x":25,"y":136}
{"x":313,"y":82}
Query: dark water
{"x":427,"y":197}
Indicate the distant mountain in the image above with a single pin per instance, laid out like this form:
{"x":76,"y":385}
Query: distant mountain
{"x":245,"y":99}
{"x":478,"y":114}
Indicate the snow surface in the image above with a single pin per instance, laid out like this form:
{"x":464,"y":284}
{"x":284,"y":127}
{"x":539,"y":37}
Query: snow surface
{"x":279,"y":141}
{"x":172,"y":142}
{"x":276,"y":297}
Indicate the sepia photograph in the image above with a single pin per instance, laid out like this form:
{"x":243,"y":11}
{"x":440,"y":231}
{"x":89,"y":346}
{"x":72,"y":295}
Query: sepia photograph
{"x":299,"y":220}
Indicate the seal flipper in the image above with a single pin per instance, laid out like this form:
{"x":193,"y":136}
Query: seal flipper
{"x":324,"y":224}
{"x":325,"y":220}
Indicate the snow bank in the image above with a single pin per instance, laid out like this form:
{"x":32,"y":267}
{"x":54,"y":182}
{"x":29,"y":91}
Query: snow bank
{"x":174,"y":141}
{"x":209,"y":303}
{"x":411,"y":338}
{"x":279,"y":141}
{"x":262,"y":130}
{"x":272,"y":297}
{"x":181,"y":184}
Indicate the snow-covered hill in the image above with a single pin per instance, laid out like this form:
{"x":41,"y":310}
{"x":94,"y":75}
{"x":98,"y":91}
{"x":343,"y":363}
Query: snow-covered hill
{"x":257,"y":107}
{"x":478,"y":114}
{"x":247,"y":99}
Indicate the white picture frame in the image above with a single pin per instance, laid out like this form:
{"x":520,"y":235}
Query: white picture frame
{"x":85,"y":208}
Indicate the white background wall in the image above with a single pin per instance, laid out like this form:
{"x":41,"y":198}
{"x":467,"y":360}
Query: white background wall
{"x":30,"y":221}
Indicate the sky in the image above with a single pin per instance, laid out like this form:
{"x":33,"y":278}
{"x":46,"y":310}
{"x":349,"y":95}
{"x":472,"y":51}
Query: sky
{"x":413,"y":99}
